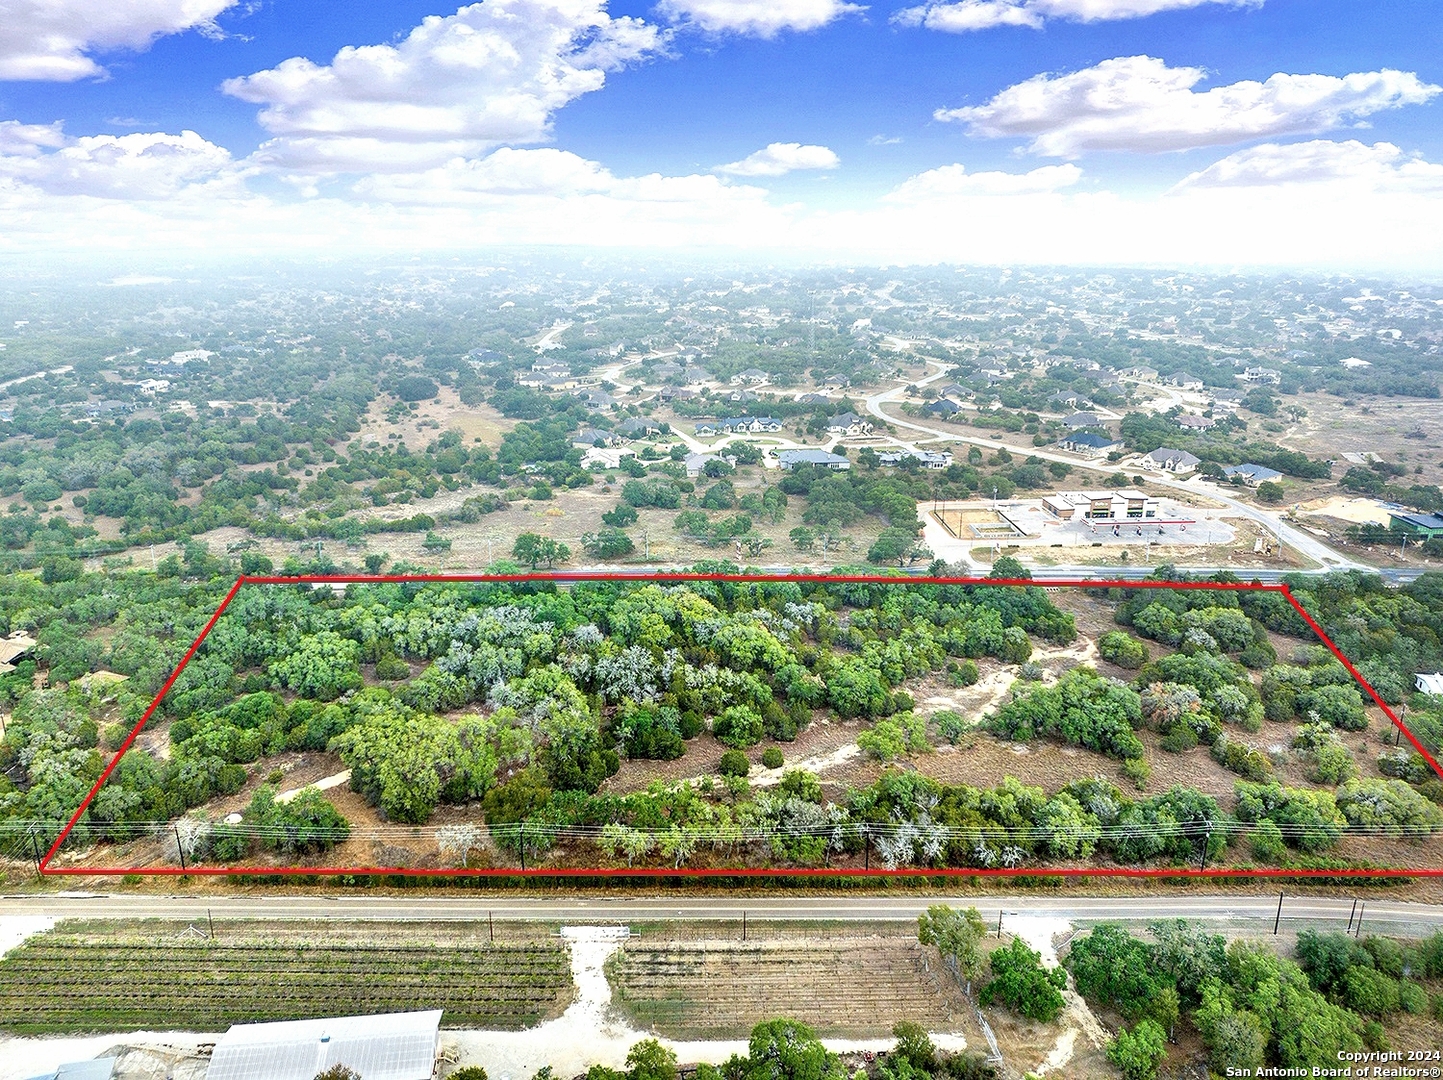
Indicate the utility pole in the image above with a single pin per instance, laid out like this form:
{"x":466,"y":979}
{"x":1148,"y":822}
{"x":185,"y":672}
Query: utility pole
{"x":1207,"y":839}
{"x":491,"y":925}
{"x":179,"y":847}
{"x":1351,"y":914}
{"x":211,"y":923}
{"x":35,"y":847}
{"x":1279,"y":917}
{"x":1358,"y":930}
{"x":999,"y":924}
{"x":744,"y":925}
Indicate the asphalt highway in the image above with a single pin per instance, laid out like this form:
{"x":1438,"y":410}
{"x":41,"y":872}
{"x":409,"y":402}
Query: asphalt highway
{"x":1398,"y":917}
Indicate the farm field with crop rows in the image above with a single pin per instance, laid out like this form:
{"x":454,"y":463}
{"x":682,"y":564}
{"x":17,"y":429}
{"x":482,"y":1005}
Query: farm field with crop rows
{"x":61,"y":983}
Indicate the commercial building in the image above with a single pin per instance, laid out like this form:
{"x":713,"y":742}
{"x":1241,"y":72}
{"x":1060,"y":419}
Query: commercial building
{"x":1101,"y":506}
{"x":1428,"y":526}
{"x":390,"y":1046}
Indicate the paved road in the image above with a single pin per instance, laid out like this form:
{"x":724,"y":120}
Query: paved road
{"x":1394,"y":916}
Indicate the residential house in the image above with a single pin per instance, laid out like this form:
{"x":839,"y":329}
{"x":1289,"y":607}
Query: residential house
{"x":1430,"y":684}
{"x":790,"y":459}
{"x":1142,"y":373}
{"x":930,"y":459}
{"x":813,"y":399}
{"x":941,"y":407}
{"x":1089,"y":445}
{"x":151,"y":387}
{"x":695,"y":462}
{"x":596,"y":400}
{"x":752,"y":376}
{"x":750,"y":425}
{"x":835,"y":382}
{"x":1251,"y":474}
{"x":1183,"y":381}
{"x":697,"y":375}
{"x":588,"y":437}
{"x":1079,"y":420}
{"x":744,"y":397}
{"x":1262,"y":376}
{"x":1190,"y":422}
{"x":1170,"y":460}
{"x":636,"y":427}
{"x":14,"y":647}
{"x":676,"y":393}
{"x":848,"y":423}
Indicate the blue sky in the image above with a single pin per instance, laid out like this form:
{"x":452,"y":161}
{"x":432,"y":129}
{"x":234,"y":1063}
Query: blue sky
{"x":929,"y":136}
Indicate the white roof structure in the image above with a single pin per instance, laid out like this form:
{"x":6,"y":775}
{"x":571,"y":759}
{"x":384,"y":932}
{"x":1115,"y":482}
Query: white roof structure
{"x":1430,"y":684}
{"x":95,"y":1069}
{"x":390,"y":1046}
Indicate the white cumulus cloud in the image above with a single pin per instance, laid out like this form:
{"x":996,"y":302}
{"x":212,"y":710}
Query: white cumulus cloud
{"x":778,"y":159}
{"x":137,"y":166}
{"x":1138,"y":103}
{"x":543,"y":195}
{"x":955,"y":182}
{"x":963,"y":16}
{"x":1381,"y":167}
{"x":492,"y":73}
{"x":50,"y":39}
{"x":756,"y":18}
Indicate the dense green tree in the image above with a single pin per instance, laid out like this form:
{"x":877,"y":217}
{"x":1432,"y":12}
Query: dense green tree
{"x":1020,"y":982}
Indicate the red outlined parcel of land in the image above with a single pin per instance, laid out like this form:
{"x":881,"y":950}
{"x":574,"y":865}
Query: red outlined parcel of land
{"x":578,"y":724}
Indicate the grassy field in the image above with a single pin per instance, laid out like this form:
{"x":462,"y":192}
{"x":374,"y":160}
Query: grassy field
{"x":67,"y":982}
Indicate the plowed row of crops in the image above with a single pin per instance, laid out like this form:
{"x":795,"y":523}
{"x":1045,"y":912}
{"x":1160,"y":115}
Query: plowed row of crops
{"x":54,"y":984}
{"x":720,"y":989}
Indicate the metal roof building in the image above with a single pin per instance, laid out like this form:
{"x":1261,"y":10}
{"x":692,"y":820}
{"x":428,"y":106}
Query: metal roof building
{"x":391,"y":1046}
{"x":94,"y":1069}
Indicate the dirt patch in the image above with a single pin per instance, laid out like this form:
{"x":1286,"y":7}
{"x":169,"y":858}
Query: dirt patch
{"x":720,"y":989}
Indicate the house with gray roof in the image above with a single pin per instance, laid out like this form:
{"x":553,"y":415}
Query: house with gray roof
{"x":822,"y":459}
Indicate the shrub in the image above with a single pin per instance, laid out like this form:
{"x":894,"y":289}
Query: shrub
{"x":950,"y":725}
{"x":1138,"y":771}
{"x":1122,"y":649}
{"x":470,"y":1072}
{"x":1267,"y":843}
{"x":1330,"y":763}
{"x":963,"y":673}
{"x":392,"y":669}
{"x":894,"y":736}
{"x":772,"y":758}
{"x":738,"y":726}
{"x":1242,"y":759}
{"x":1180,"y":739}
{"x":734,"y":763}
{"x":1140,"y":1051}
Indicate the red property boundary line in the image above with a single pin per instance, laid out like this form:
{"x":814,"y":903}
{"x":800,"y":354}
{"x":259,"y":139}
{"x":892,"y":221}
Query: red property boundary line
{"x":573,"y":577}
